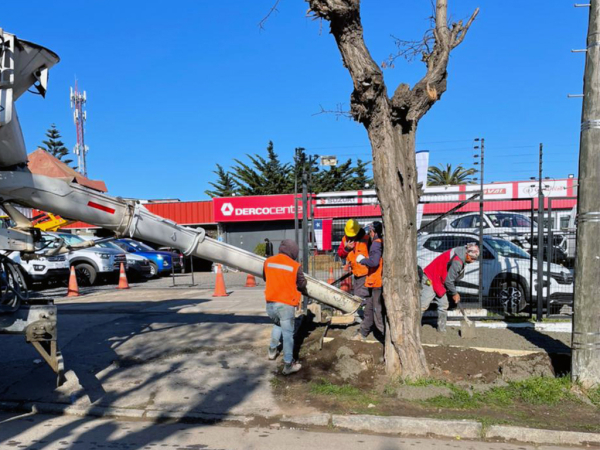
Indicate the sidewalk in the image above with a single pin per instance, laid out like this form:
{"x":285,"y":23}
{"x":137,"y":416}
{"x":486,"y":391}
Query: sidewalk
{"x":182,"y":354}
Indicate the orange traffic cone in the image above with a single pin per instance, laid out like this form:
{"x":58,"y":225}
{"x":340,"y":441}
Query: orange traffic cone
{"x":330,"y":280}
{"x":250,"y":281}
{"x":123,"y":284}
{"x":220,"y":290}
{"x":347,"y":283}
{"x":73,"y":290}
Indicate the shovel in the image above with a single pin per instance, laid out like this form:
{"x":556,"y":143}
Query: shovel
{"x":467,"y":328}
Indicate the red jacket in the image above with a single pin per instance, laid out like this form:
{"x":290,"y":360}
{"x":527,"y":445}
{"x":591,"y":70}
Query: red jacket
{"x":437,"y":271}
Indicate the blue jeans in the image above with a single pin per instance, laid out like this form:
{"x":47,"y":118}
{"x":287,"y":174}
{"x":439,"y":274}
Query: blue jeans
{"x":283,"y":317}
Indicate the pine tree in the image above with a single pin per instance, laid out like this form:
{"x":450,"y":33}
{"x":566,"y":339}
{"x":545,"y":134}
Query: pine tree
{"x":263,"y":176}
{"x":310,"y":165}
{"x":360,"y":180}
{"x":55,"y":146}
{"x":224,"y":186}
{"x":336,"y":178}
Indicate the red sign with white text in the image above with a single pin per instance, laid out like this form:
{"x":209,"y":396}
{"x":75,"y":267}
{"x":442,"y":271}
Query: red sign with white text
{"x":248,"y":209}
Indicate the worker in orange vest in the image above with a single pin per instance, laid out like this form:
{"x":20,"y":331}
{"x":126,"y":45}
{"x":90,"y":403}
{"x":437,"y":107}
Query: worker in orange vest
{"x":373,"y":312}
{"x":285,"y":284}
{"x":354,"y":243}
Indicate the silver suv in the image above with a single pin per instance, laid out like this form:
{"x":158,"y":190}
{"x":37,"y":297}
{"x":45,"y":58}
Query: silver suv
{"x":93,"y":262}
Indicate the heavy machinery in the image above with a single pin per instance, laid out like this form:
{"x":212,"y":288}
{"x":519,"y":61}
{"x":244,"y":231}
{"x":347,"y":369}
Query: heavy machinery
{"x":23,"y":65}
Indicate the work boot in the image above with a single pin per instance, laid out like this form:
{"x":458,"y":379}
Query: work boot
{"x":441,"y":322}
{"x":358,"y":337}
{"x":289,"y":369}
{"x":273,"y":353}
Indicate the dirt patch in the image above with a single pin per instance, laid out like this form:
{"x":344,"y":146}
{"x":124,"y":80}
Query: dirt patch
{"x":348,"y":377}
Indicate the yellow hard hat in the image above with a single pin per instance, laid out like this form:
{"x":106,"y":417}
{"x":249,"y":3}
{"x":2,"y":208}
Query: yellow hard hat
{"x":352,"y":228}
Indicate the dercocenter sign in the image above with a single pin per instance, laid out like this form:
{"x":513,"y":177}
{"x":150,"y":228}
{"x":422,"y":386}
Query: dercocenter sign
{"x":268,"y":207}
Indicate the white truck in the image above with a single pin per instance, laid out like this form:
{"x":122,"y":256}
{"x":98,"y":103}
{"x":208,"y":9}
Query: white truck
{"x":24,"y":65}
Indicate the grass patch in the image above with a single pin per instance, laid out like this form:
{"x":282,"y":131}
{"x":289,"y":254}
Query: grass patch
{"x":533,"y":391}
{"x":424,"y":382}
{"x":345,"y":393}
{"x":542,"y":391}
{"x":276,"y":382}
{"x":324,"y":387}
{"x":594,"y":396}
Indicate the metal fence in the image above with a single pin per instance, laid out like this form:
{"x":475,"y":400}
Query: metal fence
{"x":504,"y":281}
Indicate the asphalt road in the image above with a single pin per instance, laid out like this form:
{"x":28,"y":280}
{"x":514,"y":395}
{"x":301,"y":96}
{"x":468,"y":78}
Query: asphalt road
{"x":40,"y":432}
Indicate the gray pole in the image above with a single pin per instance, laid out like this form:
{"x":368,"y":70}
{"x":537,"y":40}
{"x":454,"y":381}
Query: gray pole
{"x":296,"y":225}
{"x":540,"y":249}
{"x":586,"y":308}
{"x":481,"y":226}
{"x":305,"y":213}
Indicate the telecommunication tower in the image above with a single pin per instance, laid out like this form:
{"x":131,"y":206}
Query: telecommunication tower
{"x":78,"y":100}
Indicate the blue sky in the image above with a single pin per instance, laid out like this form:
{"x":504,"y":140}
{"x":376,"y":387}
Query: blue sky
{"x":174,"y":90}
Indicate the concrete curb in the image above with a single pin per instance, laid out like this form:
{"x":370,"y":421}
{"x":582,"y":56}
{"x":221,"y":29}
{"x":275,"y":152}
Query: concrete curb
{"x":537,"y":436}
{"x":555,"y":327}
{"x":412,"y":426}
{"x":389,"y":425}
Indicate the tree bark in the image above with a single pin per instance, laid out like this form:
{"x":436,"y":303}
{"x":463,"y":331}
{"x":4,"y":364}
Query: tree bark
{"x":391,"y":125}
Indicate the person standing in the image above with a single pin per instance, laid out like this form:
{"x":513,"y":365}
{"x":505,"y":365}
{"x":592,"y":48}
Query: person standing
{"x":440,"y":277}
{"x":354,"y":243}
{"x":285,"y":282}
{"x":373,"y":312}
{"x":268,"y":248}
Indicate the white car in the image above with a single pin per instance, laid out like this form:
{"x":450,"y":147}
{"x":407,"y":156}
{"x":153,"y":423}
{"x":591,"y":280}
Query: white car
{"x":90,"y":263}
{"x":513,"y":227}
{"x":507,"y":274}
{"x":41,"y":268}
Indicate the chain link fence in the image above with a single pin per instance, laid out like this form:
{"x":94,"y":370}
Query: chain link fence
{"x":507,"y":285}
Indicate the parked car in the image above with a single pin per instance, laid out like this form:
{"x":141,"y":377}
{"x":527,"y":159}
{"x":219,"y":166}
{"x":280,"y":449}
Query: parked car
{"x":138,"y":267}
{"x":506,"y":271}
{"x":178,"y":258}
{"x":90,"y":263}
{"x":513,"y":227}
{"x":40,"y":268}
{"x":160,"y":262}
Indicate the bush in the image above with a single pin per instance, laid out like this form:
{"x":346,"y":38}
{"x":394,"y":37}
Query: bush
{"x":260,"y":249}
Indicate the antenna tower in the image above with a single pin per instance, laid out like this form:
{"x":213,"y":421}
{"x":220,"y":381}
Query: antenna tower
{"x":78,"y":100}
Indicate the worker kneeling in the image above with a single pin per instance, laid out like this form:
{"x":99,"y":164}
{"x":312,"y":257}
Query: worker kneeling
{"x":284,"y":284}
{"x":440,"y":277}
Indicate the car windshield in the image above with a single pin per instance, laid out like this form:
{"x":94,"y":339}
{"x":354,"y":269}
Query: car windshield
{"x":507,"y":249}
{"x":140,"y":246}
{"x":109,"y":244}
{"x":71,"y":239}
{"x":509,"y":220}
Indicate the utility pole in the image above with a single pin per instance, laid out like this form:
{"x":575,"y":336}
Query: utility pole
{"x":481,"y":148}
{"x":585,"y":366}
{"x":540,"y":240}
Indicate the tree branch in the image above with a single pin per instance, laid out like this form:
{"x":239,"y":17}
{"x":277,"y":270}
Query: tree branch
{"x":431,"y":87}
{"x":273,"y":10}
{"x":346,"y":27}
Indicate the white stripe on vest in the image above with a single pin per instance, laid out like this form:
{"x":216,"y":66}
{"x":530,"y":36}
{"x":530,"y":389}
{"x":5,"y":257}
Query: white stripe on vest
{"x":280,"y":266}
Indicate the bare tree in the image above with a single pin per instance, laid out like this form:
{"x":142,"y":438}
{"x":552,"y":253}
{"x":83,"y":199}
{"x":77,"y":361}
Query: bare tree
{"x":391,"y":124}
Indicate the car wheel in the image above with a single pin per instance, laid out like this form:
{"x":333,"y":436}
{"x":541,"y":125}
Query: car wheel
{"x":153,"y":270}
{"x":86,"y":274}
{"x":511,"y":296}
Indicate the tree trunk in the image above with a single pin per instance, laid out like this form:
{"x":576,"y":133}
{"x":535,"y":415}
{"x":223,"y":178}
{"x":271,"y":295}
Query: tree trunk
{"x":394,"y":170}
{"x":392,"y":125}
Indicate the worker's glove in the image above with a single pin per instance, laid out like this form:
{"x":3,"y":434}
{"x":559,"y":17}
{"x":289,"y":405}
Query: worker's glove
{"x":359,"y":258}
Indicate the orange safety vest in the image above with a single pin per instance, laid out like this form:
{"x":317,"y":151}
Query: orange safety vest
{"x":374,"y":276}
{"x":361,"y":248}
{"x":281,"y":273}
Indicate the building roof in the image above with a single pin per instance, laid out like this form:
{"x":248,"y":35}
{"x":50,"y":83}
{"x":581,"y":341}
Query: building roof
{"x":40,"y":162}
